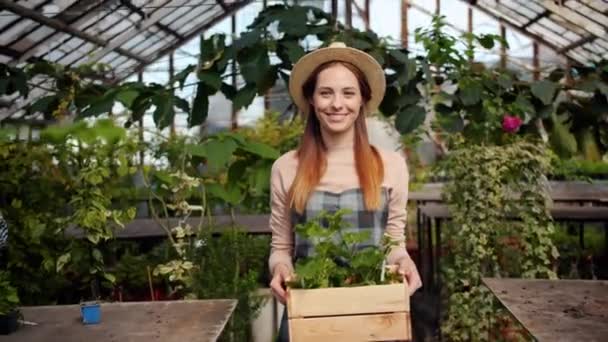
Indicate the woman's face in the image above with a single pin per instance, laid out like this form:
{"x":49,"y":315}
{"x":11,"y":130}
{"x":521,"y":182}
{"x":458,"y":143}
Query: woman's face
{"x":337,"y":99}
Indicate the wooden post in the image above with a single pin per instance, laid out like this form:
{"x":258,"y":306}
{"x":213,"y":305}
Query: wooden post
{"x":404,"y":24}
{"x":535,"y":61}
{"x":348,"y":6}
{"x":367,"y":16}
{"x":437,"y":7}
{"x":140,"y":79}
{"x":334,"y":9}
{"x":503,"y":48}
{"x":470,"y":26}
{"x":171,"y":73}
{"x":233,"y":116}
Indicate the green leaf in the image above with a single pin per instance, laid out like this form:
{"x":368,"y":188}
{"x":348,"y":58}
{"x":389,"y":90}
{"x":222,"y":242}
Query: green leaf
{"x":244,"y":96}
{"x":140,"y":105}
{"x":293,"y":21}
{"x":43,"y":105}
{"x":110,"y":277}
{"x":254,"y":64}
{"x":127,"y":96}
{"x":524,"y":104}
{"x":63,"y":260}
{"x":196,"y":150}
{"x":260,"y":149}
{"x":101,"y":107}
{"x":164,"y":113}
{"x":182,"y":76}
{"x":389,"y":105}
{"x":269,"y":80}
{"x":211,"y":78}
{"x":237,"y":170}
{"x":97,"y":255}
{"x":451,"y":123}
{"x":200,"y":106}
{"x":378,"y":56}
{"x":227,"y":56}
{"x":261,"y":179}
{"x":409,"y":119}
{"x":411,"y":70}
{"x":544,"y":90}
{"x":228,"y":90}
{"x":212,"y":50}
{"x":563,"y":142}
{"x":42,"y":67}
{"x":408,"y":99}
{"x":470,"y":91}
{"x":487,"y":41}
{"x":219,"y":152}
{"x":164,"y":177}
{"x":291,"y":49}
{"x":181,"y":104}
{"x":399,"y":56}
{"x":505,"y":81}
{"x":232,"y":195}
{"x":248,"y":39}
{"x":545,"y":112}
{"x":106,"y":129}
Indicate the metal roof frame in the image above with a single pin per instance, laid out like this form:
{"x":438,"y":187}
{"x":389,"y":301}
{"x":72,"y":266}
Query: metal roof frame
{"x":577,"y":29}
{"x":128,"y":35}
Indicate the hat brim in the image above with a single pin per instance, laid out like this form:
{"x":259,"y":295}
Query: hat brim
{"x":367,"y":64}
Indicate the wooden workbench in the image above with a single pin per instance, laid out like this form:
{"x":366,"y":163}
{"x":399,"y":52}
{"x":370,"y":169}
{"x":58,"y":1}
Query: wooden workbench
{"x":556,"y":310}
{"x":166,"y":321}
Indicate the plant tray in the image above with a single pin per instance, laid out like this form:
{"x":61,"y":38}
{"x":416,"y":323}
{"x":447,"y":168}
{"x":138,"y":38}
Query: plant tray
{"x":363,"y":313}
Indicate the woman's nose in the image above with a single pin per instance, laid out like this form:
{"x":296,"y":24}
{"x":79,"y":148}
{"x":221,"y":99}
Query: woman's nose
{"x":337,"y":102}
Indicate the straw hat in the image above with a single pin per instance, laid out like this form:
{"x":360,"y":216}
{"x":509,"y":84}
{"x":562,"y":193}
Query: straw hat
{"x":337,"y":52}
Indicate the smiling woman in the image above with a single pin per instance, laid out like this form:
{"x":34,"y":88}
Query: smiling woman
{"x":335,"y":167}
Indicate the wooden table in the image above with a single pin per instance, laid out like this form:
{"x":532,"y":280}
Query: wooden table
{"x":560,"y":191}
{"x":167,"y":321}
{"x":556,"y":310}
{"x":429,"y":233}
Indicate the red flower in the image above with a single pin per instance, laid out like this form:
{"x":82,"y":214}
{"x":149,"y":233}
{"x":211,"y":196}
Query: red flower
{"x":511,"y":124}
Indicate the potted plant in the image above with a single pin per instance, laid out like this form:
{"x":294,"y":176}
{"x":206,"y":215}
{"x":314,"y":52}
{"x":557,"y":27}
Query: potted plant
{"x":343,"y":291}
{"x":8,"y":305}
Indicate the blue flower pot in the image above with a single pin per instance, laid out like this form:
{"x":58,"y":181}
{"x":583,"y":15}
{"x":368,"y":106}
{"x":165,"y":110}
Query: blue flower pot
{"x":91,"y":313}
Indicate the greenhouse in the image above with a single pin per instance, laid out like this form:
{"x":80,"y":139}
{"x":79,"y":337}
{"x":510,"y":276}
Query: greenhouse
{"x":303,"y":170}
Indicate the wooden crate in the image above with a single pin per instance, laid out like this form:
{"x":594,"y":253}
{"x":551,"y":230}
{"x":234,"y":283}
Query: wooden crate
{"x":364,"y":313}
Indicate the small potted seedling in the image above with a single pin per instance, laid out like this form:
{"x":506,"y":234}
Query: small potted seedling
{"x":344,"y":292}
{"x":9,"y":315}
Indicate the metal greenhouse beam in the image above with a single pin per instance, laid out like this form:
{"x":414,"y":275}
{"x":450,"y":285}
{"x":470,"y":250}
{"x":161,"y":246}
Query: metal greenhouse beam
{"x":514,"y":27}
{"x":235,"y":6}
{"x":61,"y":26}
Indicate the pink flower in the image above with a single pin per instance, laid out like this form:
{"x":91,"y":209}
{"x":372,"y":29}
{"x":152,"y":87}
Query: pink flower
{"x":511,"y":124}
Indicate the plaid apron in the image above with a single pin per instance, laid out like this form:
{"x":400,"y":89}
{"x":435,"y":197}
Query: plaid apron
{"x":359,"y":219}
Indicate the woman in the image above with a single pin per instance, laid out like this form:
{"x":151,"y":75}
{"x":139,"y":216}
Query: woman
{"x":335,"y":167}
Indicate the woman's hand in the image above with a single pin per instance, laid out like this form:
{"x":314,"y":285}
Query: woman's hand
{"x":281,"y":275}
{"x":407,"y":268}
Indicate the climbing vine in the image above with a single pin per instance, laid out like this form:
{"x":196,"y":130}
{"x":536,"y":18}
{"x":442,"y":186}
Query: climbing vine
{"x":498,"y":199}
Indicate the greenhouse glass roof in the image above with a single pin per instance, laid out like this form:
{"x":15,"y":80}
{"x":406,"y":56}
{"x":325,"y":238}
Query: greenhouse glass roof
{"x":127,"y":35}
{"x":577,"y":29}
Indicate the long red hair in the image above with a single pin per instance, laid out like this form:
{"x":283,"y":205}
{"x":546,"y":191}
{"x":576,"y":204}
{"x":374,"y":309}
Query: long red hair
{"x":312,"y":152}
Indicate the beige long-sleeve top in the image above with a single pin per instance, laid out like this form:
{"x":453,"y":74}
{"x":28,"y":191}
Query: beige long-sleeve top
{"x":340,"y":175}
